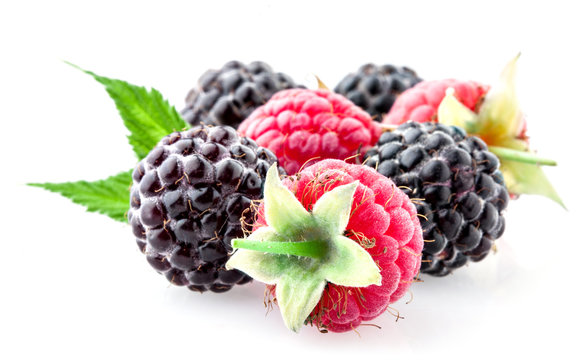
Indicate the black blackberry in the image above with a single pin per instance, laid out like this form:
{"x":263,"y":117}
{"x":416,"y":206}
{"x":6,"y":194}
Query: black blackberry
{"x":375,"y":88}
{"x":227,"y":96}
{"x":190,"y":197}
{"x":456,"y":185}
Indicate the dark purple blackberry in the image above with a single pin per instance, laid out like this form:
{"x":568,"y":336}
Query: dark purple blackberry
{"x":456,"y":185}
{"x":190,"y":197}
{"x":375,"y":88}
{"x":227,"y":96}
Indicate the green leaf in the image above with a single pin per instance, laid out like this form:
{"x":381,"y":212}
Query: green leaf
{"x":110,"y":197}
{"x":525,"y":178}
{"x":146,"y":114}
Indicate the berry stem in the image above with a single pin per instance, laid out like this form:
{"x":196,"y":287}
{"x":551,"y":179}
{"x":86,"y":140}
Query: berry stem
{"x":520,"y":156}
{"x":312,"y":249}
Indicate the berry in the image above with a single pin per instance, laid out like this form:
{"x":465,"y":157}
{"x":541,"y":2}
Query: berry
{"x":227,"y":96}
{"x":187,"y":199}
{"x":454,"y":181}
{"x":491,"y":114}
{"x":379,"y":223}
{"x":303,"y":126}
{"x":375,"y":88}
{"x":420,"y":103}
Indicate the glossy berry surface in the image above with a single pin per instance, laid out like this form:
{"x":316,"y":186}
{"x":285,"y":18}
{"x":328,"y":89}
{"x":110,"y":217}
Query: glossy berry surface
{"x":304,"y":126}
{"x":455,"y":183}
{"x":383,"y":221}
{"x":375,"y":88}
{"x":228,"y":95}
{"x":190,"y":197}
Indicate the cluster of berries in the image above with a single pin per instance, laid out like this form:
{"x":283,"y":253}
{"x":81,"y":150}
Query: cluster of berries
{"x":336,"y":200}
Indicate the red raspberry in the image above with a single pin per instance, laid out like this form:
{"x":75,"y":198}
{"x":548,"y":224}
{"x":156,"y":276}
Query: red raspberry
{"x":299,"y":125}
{"x":420,"y":103}
{"x":383,"y":221}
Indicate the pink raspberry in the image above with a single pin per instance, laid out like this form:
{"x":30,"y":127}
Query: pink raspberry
{"x":420,"y":103}
{"x":383,"y":221}
{"x":303,"y":126}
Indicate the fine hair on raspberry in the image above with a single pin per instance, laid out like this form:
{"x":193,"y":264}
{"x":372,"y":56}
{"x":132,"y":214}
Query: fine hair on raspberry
{"x":383,"y":221}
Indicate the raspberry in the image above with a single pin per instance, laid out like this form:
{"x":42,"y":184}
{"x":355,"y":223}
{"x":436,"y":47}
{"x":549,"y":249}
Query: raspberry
{"x":381,"y":219}
{"x":420,"y":103}
{"x":375,"y":88}
{"x":455,"y":183}
{"x":187,"y":200}
{"x":227,"y":96}
{"x":302,"y":126}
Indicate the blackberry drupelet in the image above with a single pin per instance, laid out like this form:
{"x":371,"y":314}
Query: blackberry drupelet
{"x":455,"y":183}
{"x":190,"y":197}
{"x":227,"y":96}
{"x":375,"y":88}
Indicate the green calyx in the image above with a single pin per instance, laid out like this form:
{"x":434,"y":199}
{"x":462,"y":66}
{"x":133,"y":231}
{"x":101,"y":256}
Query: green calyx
{"x":300,"y":251}
{"x":499,"y":123}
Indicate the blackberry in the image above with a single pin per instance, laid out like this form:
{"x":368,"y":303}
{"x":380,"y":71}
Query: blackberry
{"x":190,"y":197}
{"x":456,"y":185}
{"x":229,"y":95}
{"x":375,"y":88}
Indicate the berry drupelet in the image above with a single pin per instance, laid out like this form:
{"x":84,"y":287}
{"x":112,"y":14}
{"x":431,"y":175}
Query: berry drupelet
{"x":455,"y":183}
{"x":375,"y":88}
{"x":229,"y":95}
{"x":190,"y":197}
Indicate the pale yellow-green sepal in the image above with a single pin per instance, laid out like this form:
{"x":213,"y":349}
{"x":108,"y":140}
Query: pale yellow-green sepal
{"x":281,"y":208}
{"x":351,"y":265}
{"x":297,"y":299}
{"x":453,"y":112}
{"x":263,"y":267}
{"x":333,"y":209}
{"x":500,"y":116}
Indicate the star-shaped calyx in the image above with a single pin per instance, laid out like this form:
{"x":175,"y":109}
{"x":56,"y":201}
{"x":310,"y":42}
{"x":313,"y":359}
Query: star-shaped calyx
{"x":300,"y":250}
{"x":500,"y":123}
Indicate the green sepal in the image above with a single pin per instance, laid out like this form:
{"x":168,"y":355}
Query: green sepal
{"x":526,"y":178}
{"x":300,"y":280}
{"x":266,"y":268}
{"x":298,"y":297}
{"x":333,"y":209}
{"x":351,"y":265}
{"x":281,"y":208}
{"x":500,"y":116}
{"x":453,"y":113}
{"x":499,"y":123}
{"x":110,"y":196}
{"x":146,"y":114}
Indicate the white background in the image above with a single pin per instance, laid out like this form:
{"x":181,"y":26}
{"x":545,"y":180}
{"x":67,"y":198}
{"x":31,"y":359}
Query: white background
{"x":74,"y":285}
